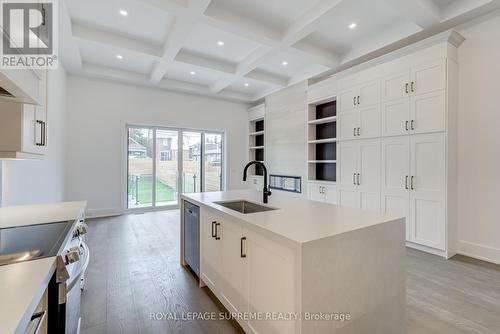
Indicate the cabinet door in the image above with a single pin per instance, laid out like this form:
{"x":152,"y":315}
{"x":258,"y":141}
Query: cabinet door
{"x":314,"y":192}
{"x":396,"y":177}
{"x":428,"y":112}
{"x":348,"y":156}
{"x":330,"y":194}
{"x":210,"y":260}
{"x":231,"y":287}
{"x":30,"y":129}
{"x":41,"y":115}
{"x":396,"y":117}
{"x":348,"y":197}
{"x":427,"y":195}
{"x":348,"y":123}
{"x":428,"y":77}
{"x":348,"y":99}
{"x":368,"y":177}
{"x":396,"y":86}
{"x":369,"y":122}
{"x":269,"y":282}
{"x":369,"y":94}
{"x":347,"y":189}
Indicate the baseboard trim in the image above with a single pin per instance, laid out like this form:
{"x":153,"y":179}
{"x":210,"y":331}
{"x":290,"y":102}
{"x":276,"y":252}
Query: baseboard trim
{"x":99,"y":213}
{"x":480,"y":252}
{"x":426,"y":249}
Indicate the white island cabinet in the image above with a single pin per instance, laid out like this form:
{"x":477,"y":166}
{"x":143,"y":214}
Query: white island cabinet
{"x":306,"y":267}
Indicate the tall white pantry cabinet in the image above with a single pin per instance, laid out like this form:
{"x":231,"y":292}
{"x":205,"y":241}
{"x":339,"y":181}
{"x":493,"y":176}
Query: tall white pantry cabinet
{"x":397,"y":147}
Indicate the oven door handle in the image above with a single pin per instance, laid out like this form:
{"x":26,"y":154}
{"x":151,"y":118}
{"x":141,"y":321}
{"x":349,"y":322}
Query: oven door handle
{"x":78,"y":275}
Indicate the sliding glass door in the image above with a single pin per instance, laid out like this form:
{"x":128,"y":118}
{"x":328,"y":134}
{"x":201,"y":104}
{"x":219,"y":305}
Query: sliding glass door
{"x":160,"y":161}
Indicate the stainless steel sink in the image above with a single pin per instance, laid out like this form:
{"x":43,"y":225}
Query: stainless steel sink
{"x":244,"y":207}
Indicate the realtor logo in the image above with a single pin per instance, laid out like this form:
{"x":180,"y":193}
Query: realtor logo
{"x":28,"y":34}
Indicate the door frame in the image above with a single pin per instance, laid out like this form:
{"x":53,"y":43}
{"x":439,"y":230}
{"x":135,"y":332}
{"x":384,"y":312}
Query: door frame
{"x":180,"y":161}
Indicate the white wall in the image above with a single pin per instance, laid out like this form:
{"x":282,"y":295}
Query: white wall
{"x":98,"y":112}
{"x":479,"y":141}
{"x":286,"y":132}
{"x":41,"y":181}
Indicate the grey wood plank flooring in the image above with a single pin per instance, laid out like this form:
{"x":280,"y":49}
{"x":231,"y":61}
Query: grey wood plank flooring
{"x":134,"y":271}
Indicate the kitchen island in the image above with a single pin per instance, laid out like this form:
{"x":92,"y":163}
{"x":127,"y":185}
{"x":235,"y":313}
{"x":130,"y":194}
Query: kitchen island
{"x":304,"y":267}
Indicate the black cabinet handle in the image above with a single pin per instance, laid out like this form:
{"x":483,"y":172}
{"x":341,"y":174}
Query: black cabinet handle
{"x":354,"y":100}
{"x":411,"y":182}
{"x":359,"y":132}
{"x":354,"y":131}
{"x":44,"y":133}
{"x":412,"y":86}
{"x":406,"y":88}
{"x":354,"y":178}
{"x":217,"y":231}
{"x":359,"y":183}
{"x":213,"y":233}
{"x":41,"y":133}
{"x":412,"y":124}
{"x":358,"y":99}
{"x":406,"y":182}
{"x":406,"y":126}
{"x":241,"y":247}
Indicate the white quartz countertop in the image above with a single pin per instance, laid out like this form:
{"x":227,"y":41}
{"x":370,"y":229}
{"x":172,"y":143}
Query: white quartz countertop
{"x":23,"y":284}
{"x":297,"y":219}
{"x":20,"y":215}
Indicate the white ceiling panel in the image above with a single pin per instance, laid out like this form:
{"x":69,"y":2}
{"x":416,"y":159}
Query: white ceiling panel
{"x":274,"y":13}
{"x":372,"y":18}
{"x":182,"y":72}
{"x":142,"y":21}
{"x":106,"y":55}
{"x":254,"y":87}
{"x":294,"y":65}
{"x":203,"y":40}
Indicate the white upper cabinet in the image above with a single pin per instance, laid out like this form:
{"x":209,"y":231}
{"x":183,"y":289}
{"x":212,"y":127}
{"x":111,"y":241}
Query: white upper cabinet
{"x":368,"y":94}
{"x":369,"y":122}
{"x":414,"y":100}
{"x":349,"y":123}
{"x":348,"y":99}
{"x":428,"y":112}
{"x":428,"y":77}
{"x":395,"y":117}
{"x":396,"y":86}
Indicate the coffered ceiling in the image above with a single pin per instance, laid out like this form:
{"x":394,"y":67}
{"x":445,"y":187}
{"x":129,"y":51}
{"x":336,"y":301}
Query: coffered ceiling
{"x":238,"y":49}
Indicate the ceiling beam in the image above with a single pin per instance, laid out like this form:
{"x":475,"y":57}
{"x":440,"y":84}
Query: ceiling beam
{"x":181,"y":28}
{"x":423,"y":13}
{"x":294,"y":33}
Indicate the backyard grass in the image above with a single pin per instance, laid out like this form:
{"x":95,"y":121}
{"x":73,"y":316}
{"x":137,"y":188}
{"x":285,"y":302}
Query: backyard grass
{"x":164,"y":193}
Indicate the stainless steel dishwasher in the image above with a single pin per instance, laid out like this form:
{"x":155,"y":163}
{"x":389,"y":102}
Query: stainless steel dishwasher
{"x":192,"y":236}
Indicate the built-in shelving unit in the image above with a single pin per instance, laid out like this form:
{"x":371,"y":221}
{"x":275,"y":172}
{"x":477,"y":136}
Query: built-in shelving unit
{"x":322,"y":141}
{"x":256,"y":143}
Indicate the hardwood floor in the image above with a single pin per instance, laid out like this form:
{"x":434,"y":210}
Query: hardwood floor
{"x":134,"y":271}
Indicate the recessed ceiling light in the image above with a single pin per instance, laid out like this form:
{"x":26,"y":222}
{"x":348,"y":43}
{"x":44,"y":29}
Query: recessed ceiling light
{"x":352,"y":25}
{"x":119,"y":57}
{"x":220,"y":43}
{"x":123,"y":12}
{"x":192,"y":73}
{"x":246,"y":84}
{"x":284,"y":63}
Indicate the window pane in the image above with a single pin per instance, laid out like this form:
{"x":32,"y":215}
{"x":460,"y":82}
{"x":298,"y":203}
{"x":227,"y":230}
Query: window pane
{"x":140,"y":167}
{"x":191,"y":166}
{"x":167,"y":144}
{"x":213,"y":162}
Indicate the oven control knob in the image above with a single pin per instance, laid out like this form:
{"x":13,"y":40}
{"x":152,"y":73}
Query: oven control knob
{"x":72,"y":255}
{"x":81,"y":229}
